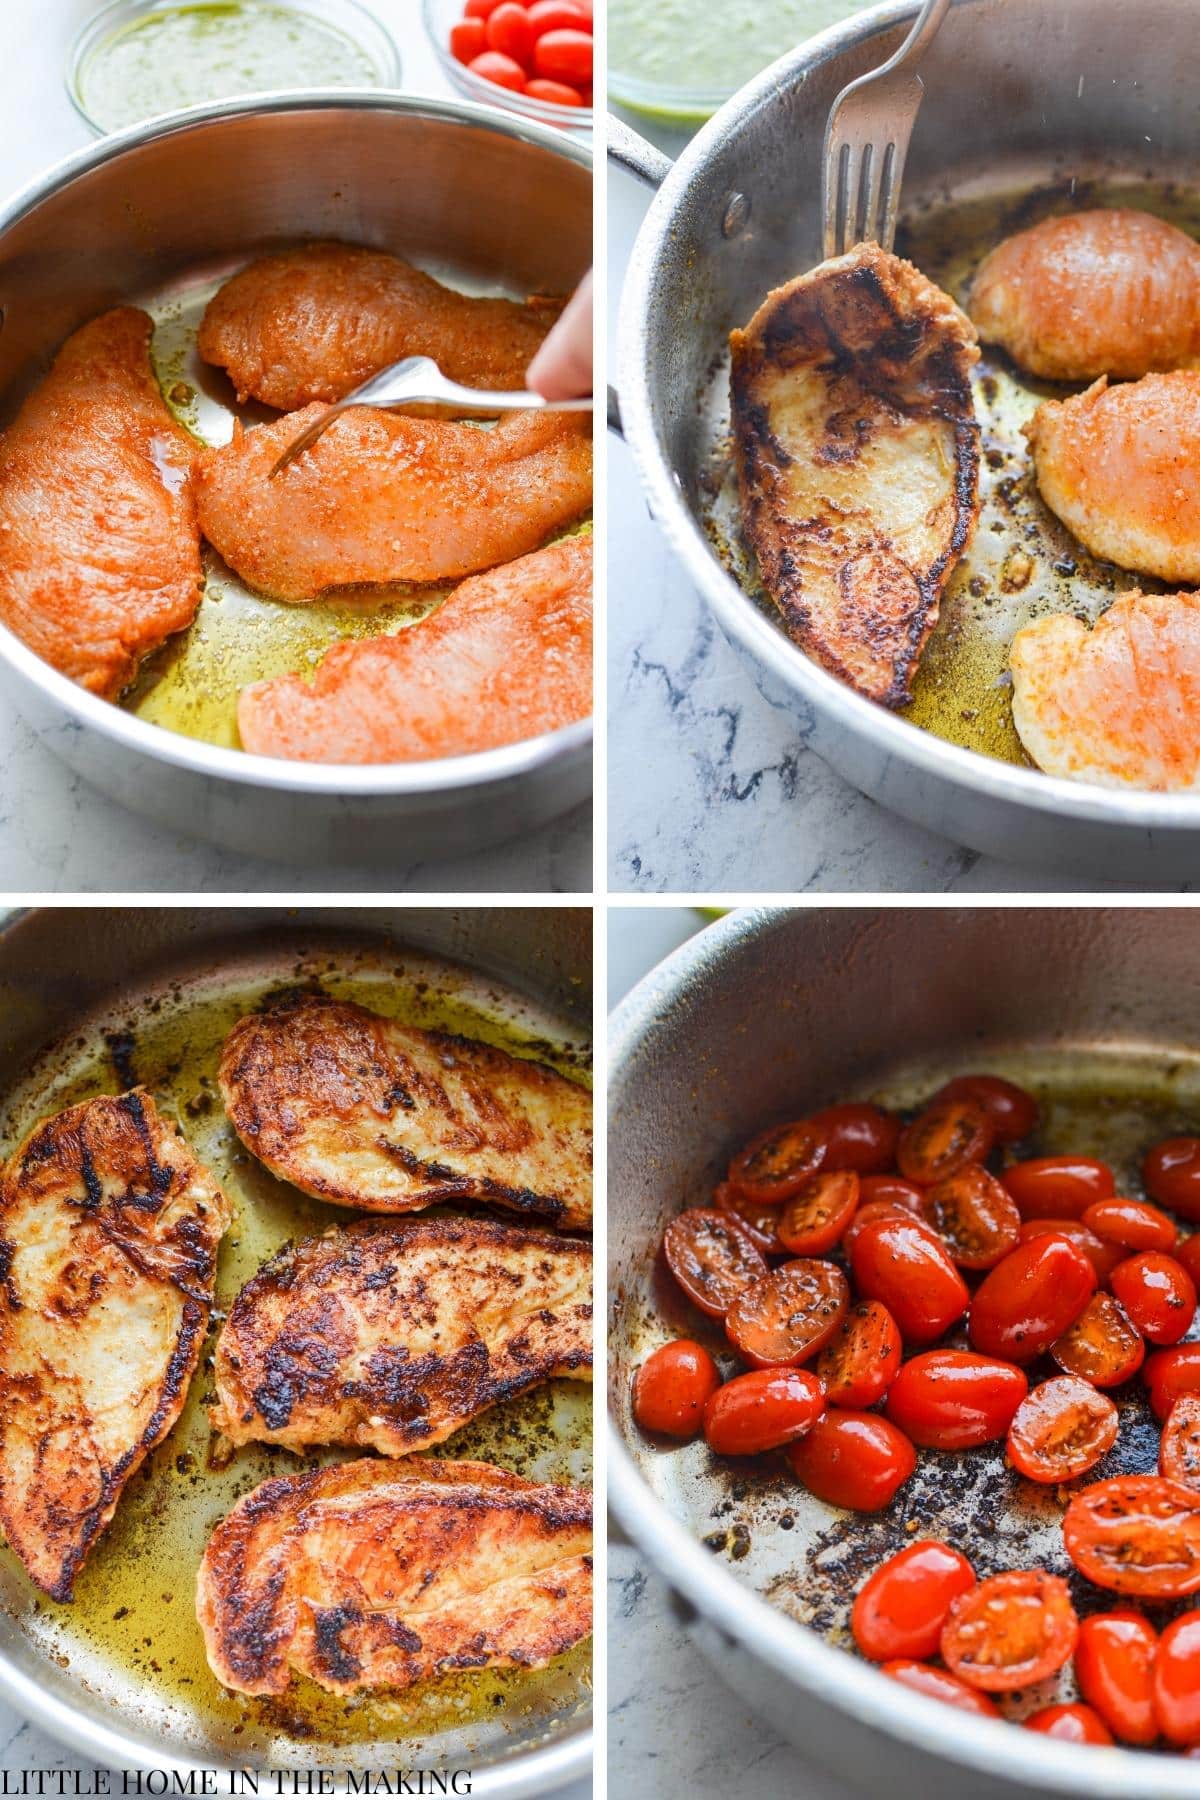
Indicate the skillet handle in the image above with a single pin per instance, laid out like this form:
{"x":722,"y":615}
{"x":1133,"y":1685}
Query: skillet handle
{"x":631,"y":152}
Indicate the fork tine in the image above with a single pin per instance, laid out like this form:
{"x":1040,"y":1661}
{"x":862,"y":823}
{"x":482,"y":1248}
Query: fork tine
{"x":868,"y":193}
{"x":889,"y":198}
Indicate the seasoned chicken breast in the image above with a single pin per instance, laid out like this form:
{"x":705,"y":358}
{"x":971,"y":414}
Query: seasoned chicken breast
{"x":363,"y":1111}
{"x":311,"y":324}
{"x":381,"y":498}
{"x":858,"y":460}
{"x":1118,"y":705}
{"x":390,"y":1336}
{"x":375,"y":1574}
{"x":506,"y":657}
{"x":99,"y":545}
{"x":109,"y":1230}
{"x":1121,"y":468}
{"x":1103,"y":292}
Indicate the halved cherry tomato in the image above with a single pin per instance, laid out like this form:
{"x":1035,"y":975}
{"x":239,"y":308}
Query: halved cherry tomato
{"x":1114,"y":1666}
{"x":1061,"y":1429}
{"x":1132,"y":1223}
{"x":1103,"y":1257}
{"x":468,"y":39}
{"x":1158,"y":1294}
{"x":762,"y":1410}
{"x":939,"y":1684}
{"x":853,"y":1459}
{"x":1102,"y":1345}
{"x":860,"y":1360}
{"x":564,"y":56}
{"x":558,"y":15}
{"x":813,"y":1220}
{"x":1170,"y":1373}
{"x":899,"y":1262}
{"x":1177,"y":1680}
{"x":711,"y":1258}
{"x":790,"y":1314}
{"x":501,"y":71}
{"x":1136,"y":1534}
{"x":1010,"y":1631}
{"x":1013,"y":1112}
{"x":1179,"y":1445}
{"x":975,"y":1215}
{"x":509,"y":32}
{"x":954,"y":1400}
{"x":947,"y":1134}
{"x":858,"y":1136}
{"x":1171,"y":1173}
{"x":672,"y":1388}
{"x":1058,"y":1187}
{"x":775,"y":1165}
{"x":901,"y":1608}
{"x":1072,"y":1724}
{"x":1030,"y":1298}
{"x":904,"y":1194}
{"x":874,"y":1210}
{"x":555,"y":93}
{"x":1187,"y":1252}
{"x":757,"y":1219}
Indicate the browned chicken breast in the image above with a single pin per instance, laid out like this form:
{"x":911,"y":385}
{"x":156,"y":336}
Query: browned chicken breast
{"x":390,"y":1336}
{"x":1103,"y":292}
{"x":375,"y":1574}
{"x":109,"y":1230}
{"x":858,"y":460}
{"x":362,"y":1111}
{"x":1121,"y":468}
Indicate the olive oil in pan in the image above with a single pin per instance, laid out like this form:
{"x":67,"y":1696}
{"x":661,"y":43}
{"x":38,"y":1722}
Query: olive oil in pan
{"x":131,"y":1634}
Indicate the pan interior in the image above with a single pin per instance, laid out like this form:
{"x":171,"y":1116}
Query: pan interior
{"x":128,"y":1648}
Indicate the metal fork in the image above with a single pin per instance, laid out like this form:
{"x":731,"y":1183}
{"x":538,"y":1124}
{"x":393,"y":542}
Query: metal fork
{"x":866,"y":141}
{"x":418,"y":379}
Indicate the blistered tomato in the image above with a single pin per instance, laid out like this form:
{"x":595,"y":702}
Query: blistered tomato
{"x":860,"y":1361}
{"x":1171,"y":1173}
{"x":899,"y":1262}
{"x":1114,"y":1666}
{"x":1072,"y":1724}
{"x":1058,"y":1187}
{"x":954,"y":1400}
{"x":1013,"y":1112}
{"x":858,"y":1136}
{"x":974,"y":1215}
{"x":939,"y":1684}
{"x":816,"y":1217}
{"x":1010,"y":1631}
{"x":1179,"y":1445}
{"x":776,"y":1164}
{"x":1132,"y":1223}
{"x":762,"y":1411}
{"x":1177,"y":1680}
{"x":1158,"y":1294}
{"x":1102,"y":1346}
{"x":711,"y":1257}
{"x":947,"y":1134}
{"x":1061,"y":1430}
{"x":901,"y":1608}
{"x":1103,"y":1257}
{"x":1030,"y":1298}
{"x":853,"y":1459}
{"x":1170,"y":1373}
{"x":672,"y":1388}
{"x":790,"y":1314}
{"x":1136,"y":1534}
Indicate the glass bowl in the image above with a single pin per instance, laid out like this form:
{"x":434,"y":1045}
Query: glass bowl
{"x":377,"y":62}
{"x":439,"y":16}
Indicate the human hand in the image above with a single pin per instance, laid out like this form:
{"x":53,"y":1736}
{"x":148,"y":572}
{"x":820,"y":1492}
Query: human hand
{"x":562,"y":368}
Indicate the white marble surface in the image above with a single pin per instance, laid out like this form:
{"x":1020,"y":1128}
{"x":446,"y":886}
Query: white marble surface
{"x":57,"y":833}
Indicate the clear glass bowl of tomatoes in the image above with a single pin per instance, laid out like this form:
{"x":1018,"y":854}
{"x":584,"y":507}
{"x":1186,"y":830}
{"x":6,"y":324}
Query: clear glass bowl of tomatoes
{"x":532,"y":57}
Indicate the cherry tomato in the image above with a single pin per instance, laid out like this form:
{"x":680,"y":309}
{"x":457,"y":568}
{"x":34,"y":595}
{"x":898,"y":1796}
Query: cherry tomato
{"x":1136,"y":1534}
{"x":555,"y":93}
{"x":853,"y":1459}
{"x":1131,"y":1223}
{"x":1058,"y":1187}
{"x":1103,"y":1257}
{"x":947,"y":1134}
{"x":711,"y":1258}
{"x":775,"y":1165}
{"x":1101,"y":1346}
{"x":953,"y":1400}
{"x":904,"y":1194}
{"x":1030,"y":1298}
{"x":1171,"y":1173}
{"x":858,"y":1136}
{"x":899,"y":1262}
{"x":564,"y":56}
{"x":1187,"y":1251}
{"x":1010,"y":1631}
{"x":939,"y":1684}
{"x":975,"y":1215}
{"x":672,"y":1388}
{"x":1071,"y":1724}
{"x":501,"y":71}
{"x":1061,"y":1430}
{"x":1114,"y":1666}
{"x":509,"y":32}
{"x":1013,"y":1112}
{"x":1158,"y":1294}
{"x":467,"y":39}
{"x":762,"y":1410}
{"x":874,"y":1210}
{"x":1179,"y":1445}
{"x":756,"y":1220}
{"x":1177,"y":1680}
{"x":480,"y":9}
{"x":901,"y":1608}
{"x":790,"y":1314}
{"x":558,"y":15}
{"x":813,"y":1220}
{"x":1170,"y":1373}
{"x":860,"y":1360}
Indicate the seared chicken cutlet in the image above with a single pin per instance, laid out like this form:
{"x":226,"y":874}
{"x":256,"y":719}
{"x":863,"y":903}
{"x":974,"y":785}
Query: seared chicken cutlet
{"x":363,"y":1111}
{"x":99,"y":545}
{"x":1103,"y":292}
{"x":375,"y":1574}
{"x":1121,"y":468}
{"x":390,"y":1336}
{"x":505,"y":658}
{"x":858,"y":460}
{"x":109,"y":1230}
{"x":311,"y":324}
{"x":380,"y":498}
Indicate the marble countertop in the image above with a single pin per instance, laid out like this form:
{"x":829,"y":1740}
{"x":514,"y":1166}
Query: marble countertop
{"x":57,"y":833}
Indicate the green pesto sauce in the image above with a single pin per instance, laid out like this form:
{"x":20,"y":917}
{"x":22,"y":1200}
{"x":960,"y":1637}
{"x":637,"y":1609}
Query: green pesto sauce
{"x":181,"y":56}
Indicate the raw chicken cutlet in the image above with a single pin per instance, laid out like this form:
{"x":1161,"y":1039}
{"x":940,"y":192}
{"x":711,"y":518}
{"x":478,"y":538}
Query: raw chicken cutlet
{"x":363,"y":1111}
{"x":380,"y":498}
{"x":1121,"y":468}
{"x":858,"y":460}
{"x":1118,"y":705}
{"x":99,"y":545}
{"x":109,"y":1230}
{"x":506,"y":657}
{"x":390,"y":1336}
{"x":1104,"y":292}
{"x":375,"y":1574}
{"x":312,"y":324}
